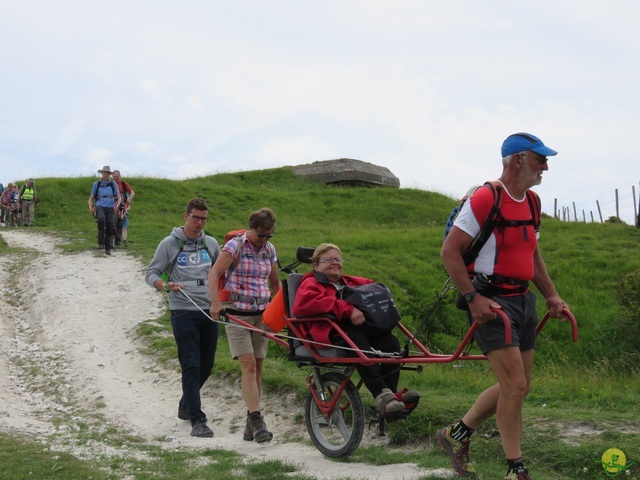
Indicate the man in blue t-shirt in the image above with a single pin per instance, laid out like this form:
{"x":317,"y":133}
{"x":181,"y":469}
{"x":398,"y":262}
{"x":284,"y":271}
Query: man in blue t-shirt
{"x":103,"y":201}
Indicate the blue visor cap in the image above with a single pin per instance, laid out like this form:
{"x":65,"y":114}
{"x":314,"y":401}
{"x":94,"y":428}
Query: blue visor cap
{"x":519,"y":142}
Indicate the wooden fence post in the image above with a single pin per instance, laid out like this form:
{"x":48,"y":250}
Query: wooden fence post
{"x":599,"y":211}
{"x":635,"y":207}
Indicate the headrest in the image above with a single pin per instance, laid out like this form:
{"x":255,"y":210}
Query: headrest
{"x":304,"y":254}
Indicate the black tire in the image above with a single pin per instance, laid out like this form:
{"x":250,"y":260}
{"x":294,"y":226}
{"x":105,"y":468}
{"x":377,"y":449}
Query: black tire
{"x":341,"y":434}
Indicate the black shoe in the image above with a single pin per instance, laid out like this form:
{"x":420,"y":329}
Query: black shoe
{"x":200,"y":429}
{"x":108,"y":252}
{"x":183,"y":414}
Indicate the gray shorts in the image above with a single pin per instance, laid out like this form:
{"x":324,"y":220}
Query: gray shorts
{"x":243,"y":341}
{"x":521,"y":310}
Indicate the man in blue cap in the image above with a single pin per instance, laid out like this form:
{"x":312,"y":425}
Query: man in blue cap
{"x":499,"y":278}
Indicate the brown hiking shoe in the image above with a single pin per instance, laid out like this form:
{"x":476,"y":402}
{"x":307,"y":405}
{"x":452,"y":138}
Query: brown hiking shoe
{"x":256,"y":429}
{"x":387,"y":403}
{"x":458,"y":452}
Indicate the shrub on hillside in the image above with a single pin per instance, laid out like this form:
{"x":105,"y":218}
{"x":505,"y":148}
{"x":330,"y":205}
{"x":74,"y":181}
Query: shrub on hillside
{"x":628,"y":298}
{"x":627,"y":294}
{"x":613,"y":219}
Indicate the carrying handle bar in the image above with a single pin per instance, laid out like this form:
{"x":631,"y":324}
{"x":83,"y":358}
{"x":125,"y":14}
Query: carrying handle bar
{"x":567,"y":313}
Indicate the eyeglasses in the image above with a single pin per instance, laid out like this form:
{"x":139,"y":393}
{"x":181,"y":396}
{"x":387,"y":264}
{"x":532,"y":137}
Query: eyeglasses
{"x":330,"y":260}
{"x":542,"y":160}
{"x":267,"y":235}
{"x":198,"y":218}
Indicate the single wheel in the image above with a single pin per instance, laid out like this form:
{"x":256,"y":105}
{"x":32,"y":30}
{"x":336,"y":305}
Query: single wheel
{"x":340,"y":434}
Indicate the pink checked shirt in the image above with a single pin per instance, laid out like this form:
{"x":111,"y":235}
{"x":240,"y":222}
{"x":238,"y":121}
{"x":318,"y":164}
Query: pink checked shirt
{"x":251,"y":277}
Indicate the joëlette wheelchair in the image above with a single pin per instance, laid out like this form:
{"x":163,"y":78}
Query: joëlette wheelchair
{"x":335,"y":415}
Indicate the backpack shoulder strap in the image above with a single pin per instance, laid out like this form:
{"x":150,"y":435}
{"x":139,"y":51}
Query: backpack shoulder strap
{"x":234,"y":264}
{"x":486,"y":229}
{"x":204,"y":244}
{"x":175,"y":259}
{"x":536,"y":209}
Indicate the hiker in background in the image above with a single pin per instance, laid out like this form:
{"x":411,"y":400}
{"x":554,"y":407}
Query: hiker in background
{"x":6,"y":193}
{"x":506,"y":264}
{"x":122,"y":212}
{"x":103,"y":202}
{"x":14,"y":207}
{"x":252,"y":282}
{"x":186,"y":256}
{"x":318,"y":296}
{"x":28,"y":201}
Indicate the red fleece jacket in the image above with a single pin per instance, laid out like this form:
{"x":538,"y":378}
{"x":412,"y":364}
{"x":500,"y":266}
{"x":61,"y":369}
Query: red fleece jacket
{"x":319,"y":299}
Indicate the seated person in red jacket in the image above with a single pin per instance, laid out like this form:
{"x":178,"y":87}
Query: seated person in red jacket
{"x":318,"y":296}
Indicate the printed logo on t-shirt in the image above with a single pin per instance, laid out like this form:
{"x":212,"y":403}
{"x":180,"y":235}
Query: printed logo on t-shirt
{"x":182,"y":259}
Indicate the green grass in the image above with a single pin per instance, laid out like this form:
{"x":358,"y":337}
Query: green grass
{"x":395,"y":236}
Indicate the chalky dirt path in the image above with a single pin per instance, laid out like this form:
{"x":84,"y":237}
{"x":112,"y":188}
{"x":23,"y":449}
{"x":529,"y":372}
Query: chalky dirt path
{"x":68,"y":352}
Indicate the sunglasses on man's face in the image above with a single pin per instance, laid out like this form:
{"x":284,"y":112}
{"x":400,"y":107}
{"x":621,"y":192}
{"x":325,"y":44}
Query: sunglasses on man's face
{"x":265,"y":235}
{"x":542,"y":160}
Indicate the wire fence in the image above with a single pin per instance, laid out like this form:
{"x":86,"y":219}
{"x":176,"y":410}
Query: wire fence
{"x":622,"y":206}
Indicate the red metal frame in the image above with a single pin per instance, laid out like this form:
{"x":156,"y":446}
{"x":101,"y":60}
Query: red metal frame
{"x":317,"y":359}
{"x":425,"y":357}
{"x":326,"y":407}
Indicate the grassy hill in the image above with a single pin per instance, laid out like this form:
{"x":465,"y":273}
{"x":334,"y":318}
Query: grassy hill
{"x":393,"y":235}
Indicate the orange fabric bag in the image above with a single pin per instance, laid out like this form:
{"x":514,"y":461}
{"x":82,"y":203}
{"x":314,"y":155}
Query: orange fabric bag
{"x":273,"y":315}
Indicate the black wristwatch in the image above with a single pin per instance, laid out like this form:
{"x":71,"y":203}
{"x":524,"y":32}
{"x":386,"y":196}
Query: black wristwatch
{"x":468,"y":297}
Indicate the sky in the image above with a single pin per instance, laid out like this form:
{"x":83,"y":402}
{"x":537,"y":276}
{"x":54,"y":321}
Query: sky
{"x":427,"y":88}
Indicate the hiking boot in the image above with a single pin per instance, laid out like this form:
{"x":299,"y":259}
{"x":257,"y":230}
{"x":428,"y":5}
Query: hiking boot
{"x":183,"y":414}
{"x":519,"y":473}
{"x":256,"y":429}
{"x":124,"y":243}
{"x":458,"y":452}
{"x":108,"y":252}
{"x":387,"y":403}
{"x":410,"y":398}
{"x":200,"y":429}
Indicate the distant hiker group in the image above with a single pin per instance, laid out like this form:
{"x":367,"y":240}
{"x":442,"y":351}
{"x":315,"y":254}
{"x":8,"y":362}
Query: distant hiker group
{"x":18,"y":204}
